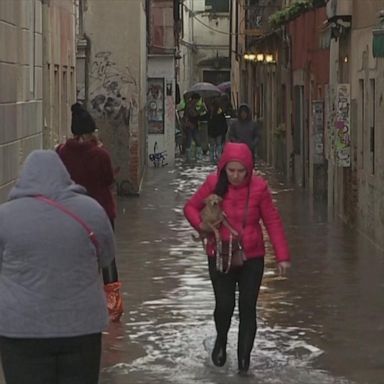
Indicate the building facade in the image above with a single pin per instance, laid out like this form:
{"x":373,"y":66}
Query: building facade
{"x":164,"y":25}
{"x":319,"y":98}
{"x":112,"y":81}
{"x":59,"y":76}
{"x":204,"y":42}
{"x":37,"y":43}
{"x":356,"y":181}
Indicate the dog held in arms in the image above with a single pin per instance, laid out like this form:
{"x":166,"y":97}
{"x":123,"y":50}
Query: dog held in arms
{"x":212,"y":216}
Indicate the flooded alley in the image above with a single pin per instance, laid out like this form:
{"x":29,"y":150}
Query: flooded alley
{"x":321,"y":325}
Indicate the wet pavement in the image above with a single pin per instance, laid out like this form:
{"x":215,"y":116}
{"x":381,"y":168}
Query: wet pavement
{"x":322,"y":325}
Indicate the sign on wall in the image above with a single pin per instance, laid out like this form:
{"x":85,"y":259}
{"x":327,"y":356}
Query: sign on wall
{"x":155,"y":105}
{"x":343,"y":126}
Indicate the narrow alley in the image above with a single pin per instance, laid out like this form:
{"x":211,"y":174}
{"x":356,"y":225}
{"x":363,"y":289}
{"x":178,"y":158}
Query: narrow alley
{"x":321,"y":325}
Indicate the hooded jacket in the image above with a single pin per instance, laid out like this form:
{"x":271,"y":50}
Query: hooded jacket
{"x":260,"y":208}
{"x":90,"y":166}
{"x":245,"y":131}
{"x":217,"y":124}
{"x":50,"y":284}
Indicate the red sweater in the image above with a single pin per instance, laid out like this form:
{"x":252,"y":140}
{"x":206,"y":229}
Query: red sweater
{"x":261,"y":208}
{"x":90,"y":166}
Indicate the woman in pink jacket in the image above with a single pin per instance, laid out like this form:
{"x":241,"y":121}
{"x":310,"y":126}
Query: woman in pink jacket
{"x":246,"y":201}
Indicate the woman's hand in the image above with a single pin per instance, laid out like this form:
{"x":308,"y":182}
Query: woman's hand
{"x":283,"y":267}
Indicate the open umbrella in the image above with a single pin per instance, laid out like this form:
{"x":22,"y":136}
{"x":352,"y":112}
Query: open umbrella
{"x":225,"y":87}
{"x":204,"y":90}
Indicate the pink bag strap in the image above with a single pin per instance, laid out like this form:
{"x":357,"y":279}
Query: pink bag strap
{"x":63,"y":209}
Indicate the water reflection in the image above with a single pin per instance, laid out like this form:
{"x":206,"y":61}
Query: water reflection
{"x":168,"y":329}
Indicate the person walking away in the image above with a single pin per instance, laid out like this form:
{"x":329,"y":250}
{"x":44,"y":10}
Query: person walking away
{"x":89,"y":165}
{"x":193,"y":112}
{"x":53,"y":241}
{"x":245,"y":130}
{"x":247,"y":201}
{"x":217,"y":130}
{"x":226,"y":106}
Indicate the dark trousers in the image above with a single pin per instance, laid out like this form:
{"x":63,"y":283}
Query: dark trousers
{"x":72,"y":360}
{"x":110,"y":274}
{"x":193,"y":134}
{"x":248,"y":279}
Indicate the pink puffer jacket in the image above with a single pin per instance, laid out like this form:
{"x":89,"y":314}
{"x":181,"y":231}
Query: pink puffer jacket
{"x":261,"y":207}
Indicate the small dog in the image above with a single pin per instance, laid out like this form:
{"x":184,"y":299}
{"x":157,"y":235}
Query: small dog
{"x":212,"y":216}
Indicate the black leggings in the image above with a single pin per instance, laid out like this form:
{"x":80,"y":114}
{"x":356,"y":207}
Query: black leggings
{"x":248,"y":278}
{"x":72,"y":360}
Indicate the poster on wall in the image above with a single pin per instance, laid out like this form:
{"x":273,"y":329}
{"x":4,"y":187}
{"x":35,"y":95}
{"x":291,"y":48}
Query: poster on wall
{"x":342,"y":126}
{"x":318,"y":131}
{"x":155,"y":105}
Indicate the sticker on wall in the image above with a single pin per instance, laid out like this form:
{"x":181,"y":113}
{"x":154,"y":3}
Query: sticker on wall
{"x":342,"y":126}
{"x":155,"y":105}
{"x":169,"y":88}
{"x":318,"y":131}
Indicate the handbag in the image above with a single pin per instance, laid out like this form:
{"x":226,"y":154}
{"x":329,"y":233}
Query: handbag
{"x":230,"y":254}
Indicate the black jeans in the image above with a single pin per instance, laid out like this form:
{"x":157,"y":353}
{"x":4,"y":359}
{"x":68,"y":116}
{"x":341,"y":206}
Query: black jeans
{"x":72,"y":360}
{"x":248,"y":278}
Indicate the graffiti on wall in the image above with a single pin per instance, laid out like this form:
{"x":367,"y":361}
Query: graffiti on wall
{"x":113,"y":95}
{"x":342,"y":126}
{"x":158,"y":158}
{"x":113,"y":90}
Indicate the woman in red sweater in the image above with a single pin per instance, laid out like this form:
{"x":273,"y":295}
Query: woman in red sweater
{"x":89,"y":165}
{"x":246,"y":201}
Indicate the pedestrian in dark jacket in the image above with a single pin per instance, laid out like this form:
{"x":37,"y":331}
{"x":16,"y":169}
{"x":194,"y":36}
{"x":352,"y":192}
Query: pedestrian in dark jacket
{"x":89,"y":165}
{"x":245,"y":130}
{"x":246,"y":202}
{"x":52,"y":304}
{"x":217,"y":130}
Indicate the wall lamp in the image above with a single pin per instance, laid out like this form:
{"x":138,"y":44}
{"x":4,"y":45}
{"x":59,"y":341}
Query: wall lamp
{"x":269,"y":59}
{"x":250,"y":56}
{"x":260,"y":57}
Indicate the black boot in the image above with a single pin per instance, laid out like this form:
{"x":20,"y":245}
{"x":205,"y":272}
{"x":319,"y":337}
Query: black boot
{"x":243,"y":365}
{"x":219,"y":353}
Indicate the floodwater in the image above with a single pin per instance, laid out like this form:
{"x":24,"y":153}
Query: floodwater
{"x":322,"y":325}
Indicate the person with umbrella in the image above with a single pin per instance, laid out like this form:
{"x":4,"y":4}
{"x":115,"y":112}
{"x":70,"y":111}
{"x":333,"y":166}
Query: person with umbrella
{"x":217,"y":130}
{"x":194,"y":109}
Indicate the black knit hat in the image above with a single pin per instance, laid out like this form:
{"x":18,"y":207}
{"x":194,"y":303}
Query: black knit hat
{"x":82,"y":121}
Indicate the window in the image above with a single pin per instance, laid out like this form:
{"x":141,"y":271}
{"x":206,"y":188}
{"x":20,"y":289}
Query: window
{"x":372,"y":113}
{"x":260,"y":101}
{"x":64,"y":102}
{"x":283,"y":106}
{"x":217,"y":5}
{"x":216,"y":77}
{"x":361,"y":121}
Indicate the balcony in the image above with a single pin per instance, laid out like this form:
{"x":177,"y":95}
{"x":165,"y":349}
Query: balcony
{"x":339,"y":9}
